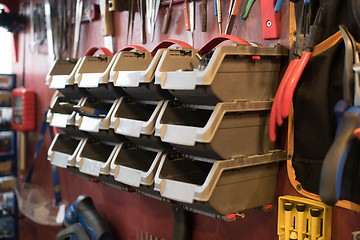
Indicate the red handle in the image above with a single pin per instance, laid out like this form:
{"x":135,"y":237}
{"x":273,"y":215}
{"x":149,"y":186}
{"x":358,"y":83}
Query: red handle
{"x":91,"y":51}
{"x":292,"y":82}
{"x":219,"y":39}
{"x":131,"y":47}
{"x":167,"y":43}
{"x":270,"y":20}
{"x":357,"y":133}
{"x":272,"y":121}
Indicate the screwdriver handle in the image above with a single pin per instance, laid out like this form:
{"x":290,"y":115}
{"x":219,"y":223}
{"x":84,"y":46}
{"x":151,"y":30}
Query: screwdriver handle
{"x":167,"y":20}
{"x":204,"y":16}
{"x":186,"y":16}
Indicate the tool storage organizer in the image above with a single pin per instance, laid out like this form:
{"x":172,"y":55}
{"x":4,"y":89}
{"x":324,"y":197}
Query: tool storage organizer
{"x":62,"y":77}
{"x":98,"y":127}
{"x":134,"y":72}
{"x":225,"y":187}
{"x":64,"y":149}
{"x":229,"y":73}
{"x":93,"y":75}
{"x":229,"y":129}
{"x":135,"y":166}
{"x":94,"y":157}
{"x":136,"y":121}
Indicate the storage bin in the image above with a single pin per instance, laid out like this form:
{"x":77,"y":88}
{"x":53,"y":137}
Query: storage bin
{"x":224,"y":187}
{"x":94,"y":157}
{"x":226,"y":130}
{"x":63,"y":150}
{"x":229,"y":73}
{"x":135,"y":166}
{"x":134,"y":73}
{"x":62,"y":77}
{"x":135,"y":119}
{"x":93,"y":75}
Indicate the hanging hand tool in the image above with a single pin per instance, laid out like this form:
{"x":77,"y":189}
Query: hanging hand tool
{"x":142,"y":20}
{"x":107,"y":28}
{"x":270,"y":20}
{"x":304,"y":39}
{"x":300,"y":208}
{"x":348,"y":117}
{"x":154,"y":15}
{"x":204,"y":16}
{"x":189,"y":18}
{"x":49,"y":32}
{"x":167,"y":18}
{"x":86,"y":111}
{"x":287,"y":219}
{"x":130,"y":27}
{"x":233,"y":12}
{"x":78,"y":14}
{"x":218,"y":14}
{"x":315,"y":223}
{"x":245,"y":8}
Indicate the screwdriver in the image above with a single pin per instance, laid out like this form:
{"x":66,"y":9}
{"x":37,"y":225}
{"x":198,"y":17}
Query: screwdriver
{"x":233,"y":12}
{"x":167,"y":18}
{"x":217,"y":10}
{"x":287,"y":208}
{"x":315,"y":223}
{"x":300,"y":208}
{"x":204,"y":16}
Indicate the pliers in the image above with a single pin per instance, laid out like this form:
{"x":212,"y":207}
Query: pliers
{"x":305,"y":37}
{"x":348,"y":117}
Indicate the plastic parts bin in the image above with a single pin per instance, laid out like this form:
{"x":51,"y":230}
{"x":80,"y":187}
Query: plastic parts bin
{"x":93,"y":75}
{"x":98,"y":127}
{"x":134,"y":72}
{"x":226,"y":186}
{"x":94,"y":157}
{"x":226,"y":130}
{"x":135,"y":166}
{"x":59,"y":116}
{"x":136,"y":121}
{"x":229,"y":73}
{"x":62,"y":77}
{"x":63,"y":150}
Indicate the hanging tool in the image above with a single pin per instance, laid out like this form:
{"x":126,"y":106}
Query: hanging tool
{"x":107,"y":26}
{"x":86,"y":111}
{"x":315,"y":223}
{"x":245,"y":8}
{"x":49,"y":32}
{"x":142,"y":20}
{"x":348,"y":121}
{"x":204,"y":16}
{"x":287,"y":219}
{"x":300,"y":208}
{"x":218,"y":14}
{"x":305,"y":40}
{"x":167,"y":18}
{"x":155,"y":4}
{"x":130,"y":27}
{"x":189,"y":18}
{"x":233,"y":12}
{"x":78,"y":14}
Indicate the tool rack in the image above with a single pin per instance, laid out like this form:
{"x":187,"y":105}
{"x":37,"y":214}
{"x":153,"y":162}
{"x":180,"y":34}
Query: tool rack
{"x":180,"y":150}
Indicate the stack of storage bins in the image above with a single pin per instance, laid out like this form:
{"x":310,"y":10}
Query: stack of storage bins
{"x":174,"y":126}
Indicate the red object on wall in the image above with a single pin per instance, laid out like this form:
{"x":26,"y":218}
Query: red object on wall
{"x":23,"y":105}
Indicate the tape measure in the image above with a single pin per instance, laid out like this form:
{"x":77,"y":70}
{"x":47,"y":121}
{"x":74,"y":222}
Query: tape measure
{"x":23,"y":105}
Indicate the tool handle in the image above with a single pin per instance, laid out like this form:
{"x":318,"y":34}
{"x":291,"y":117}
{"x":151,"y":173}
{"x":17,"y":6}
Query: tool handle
{"x":278,"y":6}
{"x":186,"y":16}
{"x":215,"y":9}
{"x":91,"y":51}
{"x":270,"y":20}
{"x":167,"y":19}
{"x":107,"y":28}
{"x":182,"y":229}
{"x":236,"y":7}
{"x":219,"y":39}
{"x":333,"y":166}
{"x":292,"y":82}
{"x":131,"y":47}
{"x":247,"y":9}
{"x":204,"y":16}
{"x":167,"y":43}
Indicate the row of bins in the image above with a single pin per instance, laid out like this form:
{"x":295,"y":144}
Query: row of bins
{"x":172,"y":125}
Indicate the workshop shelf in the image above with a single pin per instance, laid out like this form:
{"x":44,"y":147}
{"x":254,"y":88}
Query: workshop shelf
{"x":226,"y":187}
{"x":62,"y":77}
{"x":93,"y":76}
{"x":229,"y":73}
{"x":94,"y":157}
{"x":63,"y":150}
{"x":134,"y":72}
{"x":135,"y":166}
{"x":220,"y":132}
{"x":135,"y":119}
